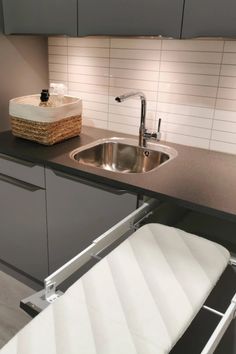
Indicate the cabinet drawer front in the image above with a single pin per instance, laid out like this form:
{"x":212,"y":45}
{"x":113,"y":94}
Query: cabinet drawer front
{"x":23,"y":234}
{"x":22,"y":170}
{"x":78,"y":213}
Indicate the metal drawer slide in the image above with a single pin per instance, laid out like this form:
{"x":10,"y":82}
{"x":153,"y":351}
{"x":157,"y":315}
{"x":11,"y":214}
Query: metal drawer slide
{"x":39,"y":301}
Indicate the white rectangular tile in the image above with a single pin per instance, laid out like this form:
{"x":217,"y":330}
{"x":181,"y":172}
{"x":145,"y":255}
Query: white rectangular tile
{"x":58,"y":59}
{"x":223,"y":136}
{"x":187,"y":120}
{"x":227,"y":93}
{"x":128,"y":120}
{"x":193,"y":79}
{"x":134,"y":74}
{"x":121,"y":128}
{"x":186,"y":99}
{"x":190,"y":68}
{"x":96,"y":115}
{"x":226,"y":81}
{"x":194,"y":57}
{"x":185,"y":110}
{"x":134,"y":84}
{"x":229,"y":58}
{"x":135,"y":64}
{"x":189,"y":130}
{"x":124,"y":111}
{"x":226,"y":105}
{"x":187,"y":140}
{"x":230,"y":46}
{"x":224,"y":126}
{"x":58,"y":41}
{"x":88,"y":79}
{"x":89,"y":42}
{"x":89,"y":52}
{"x":93,"y":97}
{"x":206,"y":91}
{"x":125,"y":120}
{"x":225,"y":115}
{"x":95,"y":106}
{"x":58,"y":67}
{"x":135,"y":54}
{"x":57,"y":50}
{"x":193,"y":45}
{"x":83,"y":87}
{"x":58,"y":76}
{"x":88,"y":61}
{"x":136,"y":43}
{"x":96,"y":123}
{"x":88,"y":70}
{"x":228,"y":70}
{"x":223,"y":147}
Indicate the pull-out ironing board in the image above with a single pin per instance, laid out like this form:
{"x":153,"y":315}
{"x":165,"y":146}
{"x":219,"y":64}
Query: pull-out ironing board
{"x":140,"y":298}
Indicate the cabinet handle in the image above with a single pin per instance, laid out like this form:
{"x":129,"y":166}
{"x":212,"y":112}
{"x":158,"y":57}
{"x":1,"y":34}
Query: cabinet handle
{"x":16,"y":182}
{"x":14,"y":159}
{"x":90,"y":183}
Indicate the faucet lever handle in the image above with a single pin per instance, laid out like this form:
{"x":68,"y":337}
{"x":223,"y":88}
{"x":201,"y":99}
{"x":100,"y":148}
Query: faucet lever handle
{"x":159,"y":125}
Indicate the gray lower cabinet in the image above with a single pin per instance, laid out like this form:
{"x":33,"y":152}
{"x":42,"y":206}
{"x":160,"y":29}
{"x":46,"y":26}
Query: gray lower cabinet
{"x":40,"y":17}
{"x":209,"y":18}
{"x":130,"y":17}
{"x":23,"y":234}
{"x":78,"y":212}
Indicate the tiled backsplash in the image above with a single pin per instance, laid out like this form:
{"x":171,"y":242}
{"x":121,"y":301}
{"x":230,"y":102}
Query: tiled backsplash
{"x":190,"y":84}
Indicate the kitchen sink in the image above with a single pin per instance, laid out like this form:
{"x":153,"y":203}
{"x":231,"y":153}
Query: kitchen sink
{"x":123,"y":155}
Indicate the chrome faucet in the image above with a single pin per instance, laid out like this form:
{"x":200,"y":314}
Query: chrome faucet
{"x":144,"y":135}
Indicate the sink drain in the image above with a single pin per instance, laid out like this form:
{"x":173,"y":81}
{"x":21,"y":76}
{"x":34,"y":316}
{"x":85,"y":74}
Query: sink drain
{"x":146,"y":153}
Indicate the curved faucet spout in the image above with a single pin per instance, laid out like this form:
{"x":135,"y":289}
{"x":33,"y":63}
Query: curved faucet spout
{"x":142,"y":128}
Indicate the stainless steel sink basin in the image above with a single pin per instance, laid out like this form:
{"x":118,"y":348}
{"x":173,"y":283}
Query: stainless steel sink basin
{"x":123,"y":155}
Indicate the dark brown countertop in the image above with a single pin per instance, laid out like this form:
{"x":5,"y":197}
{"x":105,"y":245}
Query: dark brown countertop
{"x":198,"y":179}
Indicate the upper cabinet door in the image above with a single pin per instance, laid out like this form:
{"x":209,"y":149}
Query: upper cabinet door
{"x":1,"y":18}
{"x":209,"y":18}
{"x":130,"y":17}
{"x":40,"y":17}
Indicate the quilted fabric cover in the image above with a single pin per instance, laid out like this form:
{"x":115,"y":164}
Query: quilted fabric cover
{"x":139,"y":299}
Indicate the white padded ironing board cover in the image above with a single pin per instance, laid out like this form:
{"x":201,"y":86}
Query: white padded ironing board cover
{"x":138,"y":299}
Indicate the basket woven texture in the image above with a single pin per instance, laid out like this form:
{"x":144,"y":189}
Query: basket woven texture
{"x":47,"y":133}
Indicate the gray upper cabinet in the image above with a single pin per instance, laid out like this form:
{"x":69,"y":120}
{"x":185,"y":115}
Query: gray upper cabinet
{"x":40,"y":17}
{"x":209,"y":18}
{"x":130,"y":17}
{"x":1,"y":18}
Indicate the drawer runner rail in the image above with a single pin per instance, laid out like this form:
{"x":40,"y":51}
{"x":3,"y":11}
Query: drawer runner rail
{"x":39,"y":301}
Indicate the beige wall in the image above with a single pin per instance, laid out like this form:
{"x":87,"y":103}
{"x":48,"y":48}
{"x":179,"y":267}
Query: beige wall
{"x":23,"y":70}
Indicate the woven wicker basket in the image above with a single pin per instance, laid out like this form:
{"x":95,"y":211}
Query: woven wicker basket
{"x":45,"y":125}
